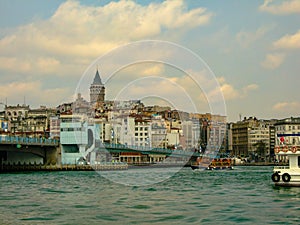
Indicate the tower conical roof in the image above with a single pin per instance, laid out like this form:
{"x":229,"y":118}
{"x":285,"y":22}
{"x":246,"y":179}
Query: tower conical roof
{"x":97,"y":79}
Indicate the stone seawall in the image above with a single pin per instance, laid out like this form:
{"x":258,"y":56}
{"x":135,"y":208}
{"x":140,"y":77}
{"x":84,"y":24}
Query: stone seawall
{"x":23,"y":168}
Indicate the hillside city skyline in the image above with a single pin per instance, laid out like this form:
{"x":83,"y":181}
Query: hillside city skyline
{"x":46,"y":47}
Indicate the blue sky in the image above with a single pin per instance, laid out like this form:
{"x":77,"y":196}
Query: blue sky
{"x":252,"y":47}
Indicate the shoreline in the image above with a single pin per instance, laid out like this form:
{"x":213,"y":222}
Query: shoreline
{"x":262,"y":164}
{"x":107,"y":167}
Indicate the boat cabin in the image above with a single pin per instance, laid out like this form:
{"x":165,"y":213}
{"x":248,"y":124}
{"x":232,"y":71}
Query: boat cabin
{"x":287,"y":175}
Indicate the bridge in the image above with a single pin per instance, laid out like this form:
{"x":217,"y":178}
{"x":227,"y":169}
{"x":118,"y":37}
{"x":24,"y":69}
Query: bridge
{"x":118,"y":148}
{"x":28,"y":141}
{"x":26,"y":150}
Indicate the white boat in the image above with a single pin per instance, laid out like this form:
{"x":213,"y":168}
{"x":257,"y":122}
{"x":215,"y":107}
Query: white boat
{"x":288,"y":176}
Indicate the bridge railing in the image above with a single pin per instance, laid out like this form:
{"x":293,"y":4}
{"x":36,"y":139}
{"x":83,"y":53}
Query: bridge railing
{"x":149,"y":149}
{"x":28,"y":140}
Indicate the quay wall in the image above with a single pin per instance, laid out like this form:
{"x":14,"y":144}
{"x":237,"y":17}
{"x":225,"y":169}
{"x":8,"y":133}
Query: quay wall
{"x":35,"y":167}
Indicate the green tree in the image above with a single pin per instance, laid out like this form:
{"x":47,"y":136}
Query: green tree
{"x":260,"y":148}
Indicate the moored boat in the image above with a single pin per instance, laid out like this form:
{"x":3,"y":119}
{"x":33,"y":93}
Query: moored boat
{"x":288,"y":176}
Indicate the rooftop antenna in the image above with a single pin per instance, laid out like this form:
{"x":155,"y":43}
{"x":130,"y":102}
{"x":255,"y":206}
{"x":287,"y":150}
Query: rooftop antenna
{"x":240,"y":116}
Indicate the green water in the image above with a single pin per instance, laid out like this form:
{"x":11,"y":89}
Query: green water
{"x":245,"y":195}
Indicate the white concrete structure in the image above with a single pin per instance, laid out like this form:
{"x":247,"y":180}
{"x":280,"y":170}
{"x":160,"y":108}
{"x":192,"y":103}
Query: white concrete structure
{"x":287,"y":175}
{"x":78,"y":138}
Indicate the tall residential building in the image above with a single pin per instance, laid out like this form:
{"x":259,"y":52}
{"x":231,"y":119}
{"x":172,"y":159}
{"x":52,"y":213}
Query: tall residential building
{"x":97,"y":91}
{"x":252,"y":138}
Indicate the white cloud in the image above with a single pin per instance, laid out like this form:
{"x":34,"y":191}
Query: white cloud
{"x":288,"y":41}
{"x":159,"y":89}
{"x":250,"y":87}
{"x":71,"y":39}
{"x":230,"y":92}
{"x":76,"y":30}
{"x":246,"y":38}
{"x":287,"y":107}
{"x":280,"y":7}
{"x":33,"y":91}
{"x":273,"y":61}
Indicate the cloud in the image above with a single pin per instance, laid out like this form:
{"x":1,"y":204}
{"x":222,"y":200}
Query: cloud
{"x":45,"y":65}
{"x":249,"y":88}
{"x":156,"y":89}
{"x":33,"y":92}
{"x":273,"y":61}
{"x":280,"y":7}
{"x":230,"y":92}
{"x":246,"y":38}
{"x":76,"y":30}
{"x":288,"y":41}
{"x":146,"y":69}
{"x":76,"y":34}
{"x":287,"y":106}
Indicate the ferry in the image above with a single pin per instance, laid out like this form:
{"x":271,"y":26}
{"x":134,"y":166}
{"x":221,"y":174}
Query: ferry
{"x":287,"y":176}
{"x":215,"y":164}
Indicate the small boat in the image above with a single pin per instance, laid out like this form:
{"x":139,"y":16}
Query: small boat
{"x":220,"y":164}
{"x":215,"y":164}
{"x":287,"y":176}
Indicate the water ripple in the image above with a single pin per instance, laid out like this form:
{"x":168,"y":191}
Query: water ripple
{"x":242,"y":196}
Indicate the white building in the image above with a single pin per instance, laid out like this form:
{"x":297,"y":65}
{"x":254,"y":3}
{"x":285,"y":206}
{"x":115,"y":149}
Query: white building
{"x":173,"y":138}
{"x":287,"y":133}
{"x":78,"y":136}
{"x":188,"y":133}
{"x":158,"y":132}
{"x":259,"y":134}
{"x":142,"y":134}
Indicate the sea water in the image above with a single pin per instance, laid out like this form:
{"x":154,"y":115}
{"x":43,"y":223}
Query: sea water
{"x":245,"y":195}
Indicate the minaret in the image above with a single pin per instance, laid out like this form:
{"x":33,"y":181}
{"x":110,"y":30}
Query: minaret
{"x":97,"y":91}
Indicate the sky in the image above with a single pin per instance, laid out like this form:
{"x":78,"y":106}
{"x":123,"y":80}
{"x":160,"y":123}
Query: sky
{"x":247,"y":51}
